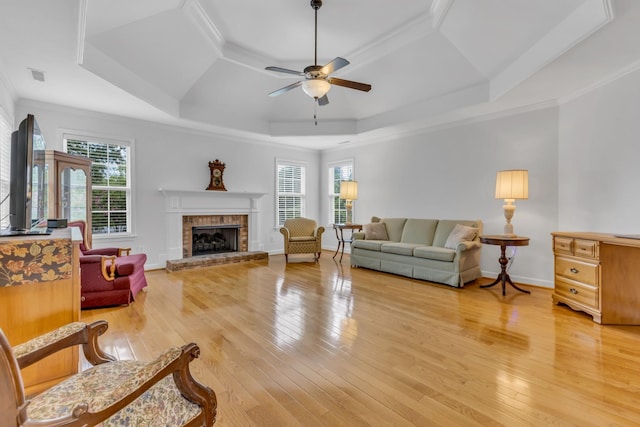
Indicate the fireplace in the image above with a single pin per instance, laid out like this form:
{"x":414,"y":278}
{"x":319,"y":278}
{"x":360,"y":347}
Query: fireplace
{"x":212,"y":234}
{"x":185,"y":209}
{"x":211,"y":239}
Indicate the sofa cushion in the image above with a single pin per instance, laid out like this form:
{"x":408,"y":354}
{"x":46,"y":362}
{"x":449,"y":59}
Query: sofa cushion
{"x":372,"y":245}
{"x":460,"y":233}
{"x":375,"y":231}
{"x":302,"y":239}
{"x":419,"y":231}
{"x":399,"y":248}
{"x":444,"y":229}
{"x":434,"y":252}
{"x":394,"y":228}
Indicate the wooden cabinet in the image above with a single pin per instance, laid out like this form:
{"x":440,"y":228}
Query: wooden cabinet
{"x":599,"y":274}
{"x":69,"y":181}
{"x":41,"y":298}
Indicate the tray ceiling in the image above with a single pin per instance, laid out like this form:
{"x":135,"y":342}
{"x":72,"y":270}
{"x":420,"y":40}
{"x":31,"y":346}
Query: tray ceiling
{"x":200,"y":63}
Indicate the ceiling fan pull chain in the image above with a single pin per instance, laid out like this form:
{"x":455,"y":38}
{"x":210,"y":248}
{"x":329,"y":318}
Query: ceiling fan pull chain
{"x":315,"y":111}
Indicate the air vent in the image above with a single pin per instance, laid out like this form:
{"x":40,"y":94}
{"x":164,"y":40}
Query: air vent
{"x":37,"y":74}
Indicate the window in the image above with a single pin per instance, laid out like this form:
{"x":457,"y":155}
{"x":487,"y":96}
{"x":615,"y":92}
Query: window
{"x":110,"y":182}
{"x":338,"y":171}
{"x":5,"y":166}
{"x":290,"y":190}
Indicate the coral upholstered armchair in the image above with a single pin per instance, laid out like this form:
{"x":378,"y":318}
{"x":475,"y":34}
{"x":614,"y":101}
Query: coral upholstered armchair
{"x":302,"y":237}
{"x":107,"y":277}
{"x":111,"y":393}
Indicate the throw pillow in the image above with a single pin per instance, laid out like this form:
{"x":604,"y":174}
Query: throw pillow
{"x":375,"y":231}
{"x":460,"y":233}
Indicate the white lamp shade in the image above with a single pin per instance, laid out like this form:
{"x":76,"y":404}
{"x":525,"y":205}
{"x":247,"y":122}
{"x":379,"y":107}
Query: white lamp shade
{"x":512,"y":184}
{"x":349,"y":190}
{"x":316,"y":88}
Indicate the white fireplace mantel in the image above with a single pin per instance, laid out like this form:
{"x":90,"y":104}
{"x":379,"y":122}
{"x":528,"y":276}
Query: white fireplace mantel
{"x":208,"y":202}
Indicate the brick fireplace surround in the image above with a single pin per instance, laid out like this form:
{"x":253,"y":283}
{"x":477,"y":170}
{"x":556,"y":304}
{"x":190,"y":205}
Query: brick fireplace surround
{"x":185,"y":209}
{"x":190,"y":221}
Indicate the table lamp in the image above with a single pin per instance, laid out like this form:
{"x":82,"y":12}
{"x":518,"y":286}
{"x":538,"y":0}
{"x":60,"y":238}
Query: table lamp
{"x":511,"y":185}
{"x":349,"y":193}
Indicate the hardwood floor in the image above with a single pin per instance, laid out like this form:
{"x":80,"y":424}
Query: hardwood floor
{"x":326,"y":345}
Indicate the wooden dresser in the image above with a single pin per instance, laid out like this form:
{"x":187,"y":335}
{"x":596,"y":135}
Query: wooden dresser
{"x":39,"y":292}
{"x":599,"y":274}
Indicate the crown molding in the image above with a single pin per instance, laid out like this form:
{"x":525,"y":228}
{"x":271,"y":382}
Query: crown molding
{"x":631,"y":68}
{"x":418,"y":27}
{"x":584,"y":21}
{"x":82,"y":30}
{"x":194,"y":10}
{"x":439,"y":10}
{"x":464,"y":117}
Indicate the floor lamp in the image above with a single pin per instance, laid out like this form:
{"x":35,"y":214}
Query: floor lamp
{"x":511,"y":185}
{"x":349,"y":193}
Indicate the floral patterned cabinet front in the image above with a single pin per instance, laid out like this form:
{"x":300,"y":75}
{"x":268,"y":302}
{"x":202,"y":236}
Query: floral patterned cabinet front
{"x":39,"y":292}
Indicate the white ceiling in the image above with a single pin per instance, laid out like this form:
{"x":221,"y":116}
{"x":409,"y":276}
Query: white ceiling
{"x":201,"y":63}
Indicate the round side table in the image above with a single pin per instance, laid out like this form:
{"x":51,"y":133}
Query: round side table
{"x":503,"y":242}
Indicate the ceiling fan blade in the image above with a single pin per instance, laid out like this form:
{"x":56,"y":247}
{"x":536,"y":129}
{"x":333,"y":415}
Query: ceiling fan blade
{"x":285,"y":70}
{"x":324,"y":100}
{"x":348,"y":83}
{"x":285,"y":89}
{"x":334,"y":65}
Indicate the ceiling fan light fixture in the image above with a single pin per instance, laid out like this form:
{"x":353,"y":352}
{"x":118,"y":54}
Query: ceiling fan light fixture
{"x":316,"y":88}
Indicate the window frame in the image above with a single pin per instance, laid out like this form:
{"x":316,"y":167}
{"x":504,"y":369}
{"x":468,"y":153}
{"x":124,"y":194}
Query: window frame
{"x":5,"y":166}
{"x":332,"y":194}
{"x":303,"y":187}
{"x":129,"y":188}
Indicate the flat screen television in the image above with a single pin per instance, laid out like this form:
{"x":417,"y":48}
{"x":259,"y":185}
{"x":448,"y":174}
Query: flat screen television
{"x":28,"y":181}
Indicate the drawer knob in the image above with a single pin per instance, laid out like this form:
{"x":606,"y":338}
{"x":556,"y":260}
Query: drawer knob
{"x":574,"y":270}
{"x":573,"y":291}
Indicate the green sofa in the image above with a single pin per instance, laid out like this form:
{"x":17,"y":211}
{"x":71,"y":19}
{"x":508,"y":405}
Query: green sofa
{"x":416,"y":248}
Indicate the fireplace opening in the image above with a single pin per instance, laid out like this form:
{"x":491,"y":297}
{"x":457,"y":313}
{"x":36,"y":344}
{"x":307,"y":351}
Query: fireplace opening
{"x":214,"y":239}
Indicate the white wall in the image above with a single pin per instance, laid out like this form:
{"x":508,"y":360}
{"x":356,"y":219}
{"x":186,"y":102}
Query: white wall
{"x":599,"y":159}
{"x":444,"y":173}
{"x":450,"y":173}
{"x":167,"y":157}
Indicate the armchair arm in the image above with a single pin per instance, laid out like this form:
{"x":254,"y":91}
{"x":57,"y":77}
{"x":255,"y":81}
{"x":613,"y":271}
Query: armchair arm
{"x":108,"y":251}
{"x":108,"y":269}
{"x":285,"y":232}
{"x":287,"y":236}
{"x":68,"y":335}
{"x":107,"y":401}
{"x":319,"y":232}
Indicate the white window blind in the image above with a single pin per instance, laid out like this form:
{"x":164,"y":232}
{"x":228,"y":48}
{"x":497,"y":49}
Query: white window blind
{"x":290,"y":191}
{"x":5,"y":169}
{"x":110,"y":182}
{"x":338,"y":171}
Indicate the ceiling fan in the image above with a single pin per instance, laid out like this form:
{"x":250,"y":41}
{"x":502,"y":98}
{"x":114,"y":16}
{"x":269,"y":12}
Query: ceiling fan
{"x":317,"y":81}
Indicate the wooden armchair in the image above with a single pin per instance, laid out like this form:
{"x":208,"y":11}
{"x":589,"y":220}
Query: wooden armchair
{"x":114,"y":393}
{"x":302,"y":237}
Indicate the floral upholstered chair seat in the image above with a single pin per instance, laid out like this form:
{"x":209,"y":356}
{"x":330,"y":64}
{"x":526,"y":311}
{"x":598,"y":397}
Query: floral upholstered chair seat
{"x":111,"y":393}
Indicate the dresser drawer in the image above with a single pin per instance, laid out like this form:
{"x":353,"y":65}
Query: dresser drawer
{"x":582,"y":294}
{"x":585,"y":248}
{"x":576,"y":270}
{"x":563,"y":245}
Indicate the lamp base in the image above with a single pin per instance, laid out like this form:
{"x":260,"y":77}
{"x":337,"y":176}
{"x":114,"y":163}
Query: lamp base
{"x":508,"y":230}
{"x":349,"y":207}
{"x":509,"y":208}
